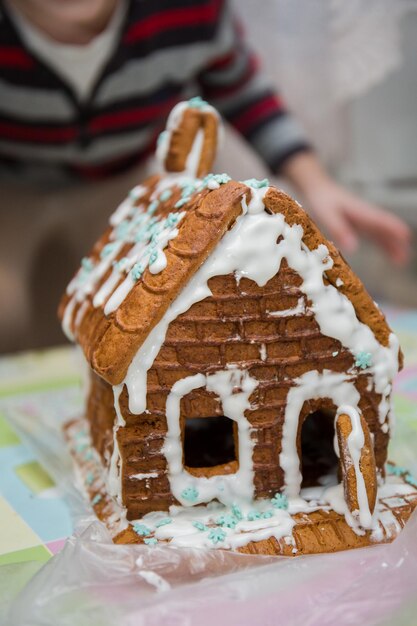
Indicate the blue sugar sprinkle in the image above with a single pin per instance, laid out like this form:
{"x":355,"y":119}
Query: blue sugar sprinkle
{"x":163,"y":522}
{"x":237,"y":512}
{"x":137,"y":271}
{"x":171,"y":220}
{"x":200,"y":526}
{"x":222,"y":179}
{"x":89,"y":479}
{"x":363,"y":360}
{"x":153,"y":256}
{"x":190,"y":494}
{"x":280,"y":501}
{"x":181,"y":202}
{"x":88,"y":456}
{"x":229,"y":521}
{"x":150,"y":541}
{"x":153,"y":206}
{"x":121,"y":265}
{"x":411,"y":480}
{"x":97,"y":498}
{"x":257,"y":184}
{"x":108,"y":249}
{"x":188,"y":190}
{"x":80,"y":447}
{"x":87,"y":264}
{"x":165,"y":195}
{"x":141,"y":529}
{"x":122,"y":229}
{"x":162,"y":137}
{"x":396,"y":470}
{"x":253,"y":515}
{"x":197,"y":102}
{"x":216,"y":535}
{"x":267,"y":514}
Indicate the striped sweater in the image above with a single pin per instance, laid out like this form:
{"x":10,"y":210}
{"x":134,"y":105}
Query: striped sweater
{"x":166,"y":49}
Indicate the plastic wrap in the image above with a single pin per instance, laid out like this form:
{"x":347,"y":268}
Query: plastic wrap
{"x":93,"y":582}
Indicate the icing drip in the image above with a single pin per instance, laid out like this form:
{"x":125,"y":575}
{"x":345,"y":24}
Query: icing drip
{"x":355,"y":442}
{"x":243,"y":250}
{"x":299,"y":309}
{"x":114,"y":484}
{"x":145,"y":253}
{"x":311,"y":385}
{"x":226,"y":488}
{"x":193,"y":159}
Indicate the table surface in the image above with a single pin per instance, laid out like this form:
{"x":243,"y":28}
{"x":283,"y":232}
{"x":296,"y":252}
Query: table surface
{"x":34,"y":520}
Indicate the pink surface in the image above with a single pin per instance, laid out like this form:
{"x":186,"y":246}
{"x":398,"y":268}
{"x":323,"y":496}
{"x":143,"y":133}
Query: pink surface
{"x":56,"y":546}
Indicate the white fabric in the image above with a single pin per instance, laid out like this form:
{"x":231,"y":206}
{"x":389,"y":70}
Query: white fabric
{"x":79,"y":65}
{"x":323,"y":53}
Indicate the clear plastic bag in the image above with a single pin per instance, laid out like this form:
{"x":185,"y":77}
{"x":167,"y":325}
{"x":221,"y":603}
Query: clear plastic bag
{"x":93,"y":582}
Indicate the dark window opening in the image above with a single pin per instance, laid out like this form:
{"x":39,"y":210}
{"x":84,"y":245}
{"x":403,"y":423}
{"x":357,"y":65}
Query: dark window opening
{"x":318,"y":457}
{"x":209,"y":442}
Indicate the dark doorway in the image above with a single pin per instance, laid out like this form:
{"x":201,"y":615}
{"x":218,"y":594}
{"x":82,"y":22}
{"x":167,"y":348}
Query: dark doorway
{"x":209,"y":442}
{"x":318,"y":457}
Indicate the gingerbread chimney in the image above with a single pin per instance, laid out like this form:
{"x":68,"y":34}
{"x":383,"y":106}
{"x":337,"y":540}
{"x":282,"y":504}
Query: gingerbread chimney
{"x":189,"y":143}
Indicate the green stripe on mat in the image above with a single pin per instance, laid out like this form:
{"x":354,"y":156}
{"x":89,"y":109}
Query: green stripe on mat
{"x":44,"y":385}
{"x":36,"y":553}
{"x":34,"y":476}
{"x":7,"y":435}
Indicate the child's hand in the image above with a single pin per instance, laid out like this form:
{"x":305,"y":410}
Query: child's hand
{"x":345,"y":216}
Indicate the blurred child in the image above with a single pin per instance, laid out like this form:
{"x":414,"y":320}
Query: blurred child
{"x":85,"y":89}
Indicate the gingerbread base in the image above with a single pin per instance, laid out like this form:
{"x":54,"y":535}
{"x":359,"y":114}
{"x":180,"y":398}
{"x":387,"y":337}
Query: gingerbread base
{"x":319,"y":531}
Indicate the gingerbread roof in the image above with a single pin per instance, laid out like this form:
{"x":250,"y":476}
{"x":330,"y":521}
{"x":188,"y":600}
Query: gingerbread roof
{"x":162,"y":234}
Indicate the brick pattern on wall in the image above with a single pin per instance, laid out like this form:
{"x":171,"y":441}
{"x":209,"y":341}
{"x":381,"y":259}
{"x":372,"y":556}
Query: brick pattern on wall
{"x":236,"y":325}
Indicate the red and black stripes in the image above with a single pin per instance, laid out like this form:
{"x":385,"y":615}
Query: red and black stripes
{"x":14,"y":57}
{"x":173,"y":19}
{"x":166,"y":46}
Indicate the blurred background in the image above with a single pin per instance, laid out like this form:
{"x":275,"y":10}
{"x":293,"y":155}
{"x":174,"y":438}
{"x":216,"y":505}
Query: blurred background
{"x":348,"y":72}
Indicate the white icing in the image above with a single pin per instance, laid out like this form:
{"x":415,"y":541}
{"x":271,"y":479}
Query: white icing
{"x":311,"y":385}
{"x":238,"y":252}
{"x":145,"y":476}
{"x":226,"y":488}
{"x":339,"y":282}
{"x":152,"y":578}
{"x":114,"y":475}
{"x":194,"y":156}
{"x":173,"y":122}
{"x":149,"y":236}
{"x":182,"y":532}
{"x":125,"y":207}
{"x":299,"y":309}
{"x":141,"y":253}
{"x":355,"y":443}
{"x":244,"y":250}
{"x":180,"y":529}
{"x":262,"y":352}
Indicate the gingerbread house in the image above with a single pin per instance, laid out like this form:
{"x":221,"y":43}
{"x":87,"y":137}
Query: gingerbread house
{"x":236,"y":364}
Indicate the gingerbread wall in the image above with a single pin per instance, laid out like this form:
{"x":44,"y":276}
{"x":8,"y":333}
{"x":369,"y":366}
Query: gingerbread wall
{"x":230,"y":327}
